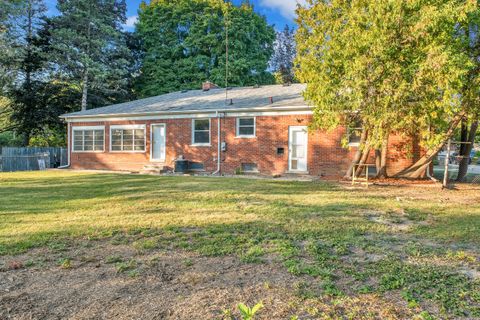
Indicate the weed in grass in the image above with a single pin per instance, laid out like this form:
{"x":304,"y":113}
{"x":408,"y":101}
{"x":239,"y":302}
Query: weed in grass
{"x":113,"y":259}
{"x":65,"y":263}
{"x":145,"y":244}
{"x":119,"y":239}
{"x":133,"y":273}
{"x":424,"y":315}
{"x":188,"y":262}
{"x":461,"y":256}
{"x":227,"y":314}
{"x":330,"y":289}
{"x":248,"y":313}
{"x":126,"y":266}
{"x":454,"y":292}
{"x":366,"y":289}
{"x":29,"y":263}
{"x":253,"y":255}
{"x":303,"y":290}
{"x":408,"y":296}
{"x":58,"y":246}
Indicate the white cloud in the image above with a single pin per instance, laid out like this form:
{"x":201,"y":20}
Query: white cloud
{"x":131,"y":22}
{"x":286,"y":7}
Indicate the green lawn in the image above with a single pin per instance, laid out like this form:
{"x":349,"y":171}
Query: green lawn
{"x":420,"y":244}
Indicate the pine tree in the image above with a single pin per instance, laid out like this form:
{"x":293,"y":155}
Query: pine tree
{"x":28,"y":64}
{"x":283,"y":57}
{"x":10,"y":12}
{"x":90,"y":49}
{"x":191,"y":45}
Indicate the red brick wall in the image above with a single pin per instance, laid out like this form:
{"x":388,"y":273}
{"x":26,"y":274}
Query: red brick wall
{"x":326,"y":156}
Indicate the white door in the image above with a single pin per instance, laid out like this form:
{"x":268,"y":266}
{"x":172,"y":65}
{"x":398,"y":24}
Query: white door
{"x":157,"y":140}
{"x":297,"y":148}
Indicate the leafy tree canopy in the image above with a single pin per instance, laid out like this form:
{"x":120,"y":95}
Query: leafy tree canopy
{"x":397,"y":65}
{"x":184,"y":45}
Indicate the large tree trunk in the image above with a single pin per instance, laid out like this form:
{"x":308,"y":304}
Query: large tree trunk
{"x":419,"y":169}
{"x":463,"y":137}
{"x":85,"y":89}
{"x":363,"y":160}
{"x":381,"y":161}
{"x":358,"y":155}
{"x":26,"y":139}
{"x":85,"y":71}
{"x":467,"y":148}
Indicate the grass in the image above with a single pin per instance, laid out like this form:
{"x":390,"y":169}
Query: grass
{"x":413,"y":243}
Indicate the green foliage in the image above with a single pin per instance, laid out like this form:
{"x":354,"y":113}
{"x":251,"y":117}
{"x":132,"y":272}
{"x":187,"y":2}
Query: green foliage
{"x":247,"y":312}
{"x":283,"y":56}
{"x":191,"y":45}
{"x":65,"y":263}
{"x":401,"y":65}
{"x":10,"y":139}
{"x":253,"y":255}
{"x":129,"y":266}
{"x":48,"y":138}
{"x":90,"y":49}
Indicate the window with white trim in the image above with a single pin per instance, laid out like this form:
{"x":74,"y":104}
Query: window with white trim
{"x":88,"y":139}
{"x":246,"y":127}
{"x":201,"y":131}
{"x":127,"y":138}
{"x":354,"y":133}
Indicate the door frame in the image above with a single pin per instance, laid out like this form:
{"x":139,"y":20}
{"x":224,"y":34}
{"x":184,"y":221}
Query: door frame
{"x":290,"y":129}
{"x":151,"y":142}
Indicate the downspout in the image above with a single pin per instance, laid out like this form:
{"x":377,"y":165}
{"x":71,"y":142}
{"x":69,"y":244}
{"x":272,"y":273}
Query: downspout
{"x":219,"y":145}
{"x":68,"y":148}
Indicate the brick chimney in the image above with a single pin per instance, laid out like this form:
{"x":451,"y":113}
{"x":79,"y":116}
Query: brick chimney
{"x":208,"y":85}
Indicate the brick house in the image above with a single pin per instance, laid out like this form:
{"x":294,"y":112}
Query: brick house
{"x":255,"y":129}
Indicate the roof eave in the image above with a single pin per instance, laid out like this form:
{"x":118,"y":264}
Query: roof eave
{"x":164,"y":113}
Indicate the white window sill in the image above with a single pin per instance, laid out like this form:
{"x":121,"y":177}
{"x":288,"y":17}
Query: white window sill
{"x":245,"y":137}
{"x":127,"y":151}
{"x":88,"y":151}
{"x":355,"y":145}
{"x":200,"y":145}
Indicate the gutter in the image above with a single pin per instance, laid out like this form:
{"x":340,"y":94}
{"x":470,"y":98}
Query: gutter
{"x":219,"y":145}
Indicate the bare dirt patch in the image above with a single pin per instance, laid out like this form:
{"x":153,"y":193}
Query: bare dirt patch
{"x":101,"y":282}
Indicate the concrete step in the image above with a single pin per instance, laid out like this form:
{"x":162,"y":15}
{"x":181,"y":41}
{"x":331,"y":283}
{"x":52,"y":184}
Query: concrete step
{"x":153,"y":169}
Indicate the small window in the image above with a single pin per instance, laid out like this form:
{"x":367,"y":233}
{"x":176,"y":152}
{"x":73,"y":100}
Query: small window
{"x":128,"y":138}
{"x":280,"y":150}
{"x":354,"y":133}
{"x":245,"y":127}
{"x":201,"y":131}
{"x":88,"y":139}
{"x":249,"y":167}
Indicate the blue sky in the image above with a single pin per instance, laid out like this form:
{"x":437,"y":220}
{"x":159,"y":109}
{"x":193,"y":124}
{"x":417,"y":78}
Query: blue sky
{"x":278,"y":12}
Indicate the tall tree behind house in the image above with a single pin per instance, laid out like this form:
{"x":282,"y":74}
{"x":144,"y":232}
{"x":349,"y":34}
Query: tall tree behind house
{"x":282,"y":62}
{"x":90,"y":49}
{"x":28,"y":67}
{"x":191,"y":45}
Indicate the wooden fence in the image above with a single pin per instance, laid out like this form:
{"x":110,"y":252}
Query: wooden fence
{"x":34,"y":158}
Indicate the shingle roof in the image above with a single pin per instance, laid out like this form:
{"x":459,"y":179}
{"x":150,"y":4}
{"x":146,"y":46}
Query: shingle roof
{"x":212,"y":100}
